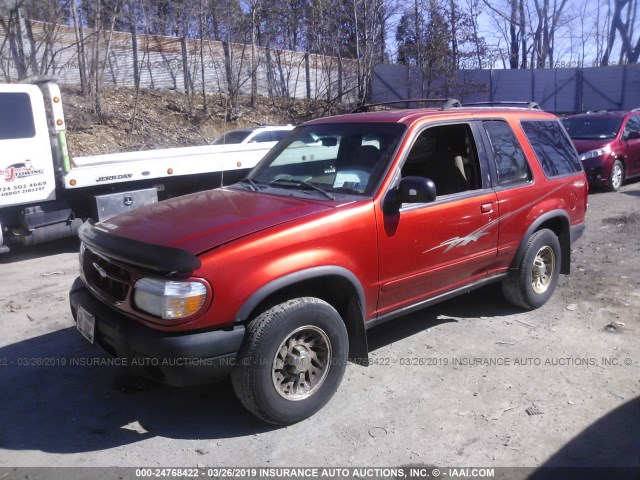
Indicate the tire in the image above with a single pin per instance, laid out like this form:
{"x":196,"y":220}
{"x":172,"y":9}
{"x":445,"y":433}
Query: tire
{"x":291,"y":361}
{"x":616,"y":178}
{"x":535,"y":279}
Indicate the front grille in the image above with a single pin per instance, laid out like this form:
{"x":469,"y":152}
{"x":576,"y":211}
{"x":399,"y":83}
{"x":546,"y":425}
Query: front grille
{"x":107,"y":278}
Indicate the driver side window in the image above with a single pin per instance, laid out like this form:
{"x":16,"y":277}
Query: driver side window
{"x":446,"y":155}
{"x":633,"y":125}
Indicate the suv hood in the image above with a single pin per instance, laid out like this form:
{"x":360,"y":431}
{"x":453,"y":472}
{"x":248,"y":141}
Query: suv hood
{"x":588,"y":145}
{"x":206,"y":220}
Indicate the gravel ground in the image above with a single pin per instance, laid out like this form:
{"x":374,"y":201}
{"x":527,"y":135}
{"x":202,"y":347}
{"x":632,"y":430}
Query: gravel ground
{"x":469,"y":382}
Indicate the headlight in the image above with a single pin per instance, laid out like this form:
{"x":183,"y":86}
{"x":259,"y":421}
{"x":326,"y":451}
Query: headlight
{"x":596,"y":153}
{"x":169,"y":299}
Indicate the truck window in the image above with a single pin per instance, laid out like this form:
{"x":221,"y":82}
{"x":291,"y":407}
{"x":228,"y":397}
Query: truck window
{"x":262,"y":137}
{"x":633,"y":125}
{"x":347,"y":158}
{"x":552,"y":147}
{"x":511,"y":164}
{"x":447,"y":155}
{"x":277,"y":135}
{"x":16,"y":120}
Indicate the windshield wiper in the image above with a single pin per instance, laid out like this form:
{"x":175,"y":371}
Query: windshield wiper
{"x":303,"y":183}
{"x":252,"y":185}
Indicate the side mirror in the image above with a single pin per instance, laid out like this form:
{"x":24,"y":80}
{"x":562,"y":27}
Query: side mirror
{"x":410,"y":190}
{"x":329,"y":142}
{"x":633,"y":135}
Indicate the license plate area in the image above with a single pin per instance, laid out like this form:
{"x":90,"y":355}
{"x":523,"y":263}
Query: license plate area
{"x":86,"y":324}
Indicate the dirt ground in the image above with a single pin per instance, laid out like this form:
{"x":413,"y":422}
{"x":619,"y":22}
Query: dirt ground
{"x":469,"y":382}
{"x":155,"y":119}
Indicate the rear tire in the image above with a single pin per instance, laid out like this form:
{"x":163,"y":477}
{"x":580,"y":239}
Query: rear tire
{"x":291,"y":361}
{"x":535,"y":279}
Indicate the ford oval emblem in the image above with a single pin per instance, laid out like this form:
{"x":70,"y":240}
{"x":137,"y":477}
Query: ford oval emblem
{"x":128,"y":201}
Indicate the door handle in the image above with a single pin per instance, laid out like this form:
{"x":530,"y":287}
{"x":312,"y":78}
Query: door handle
{"x":486,"y":208}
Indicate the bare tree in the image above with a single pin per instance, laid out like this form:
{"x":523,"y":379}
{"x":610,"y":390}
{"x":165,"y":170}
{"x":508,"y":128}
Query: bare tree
{"x":623,"y":22}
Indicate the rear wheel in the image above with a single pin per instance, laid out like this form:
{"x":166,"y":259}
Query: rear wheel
{"x":616,"y":178}
{"x":535,"y":279}
{"x":291,"y":361}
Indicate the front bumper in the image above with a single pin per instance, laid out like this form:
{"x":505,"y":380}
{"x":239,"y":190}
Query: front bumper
{"x":596,"y":175}
{"x":177,"y":359}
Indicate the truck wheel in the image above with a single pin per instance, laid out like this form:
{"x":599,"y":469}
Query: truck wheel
{"x":291,"y":361}
{"x":616,"y":179}
{"x":533,"y":282}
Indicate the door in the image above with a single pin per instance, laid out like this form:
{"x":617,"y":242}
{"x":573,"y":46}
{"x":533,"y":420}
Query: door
{"x":432,"y":248}
{"x":633,"y":145}
{"x":26,"y":163}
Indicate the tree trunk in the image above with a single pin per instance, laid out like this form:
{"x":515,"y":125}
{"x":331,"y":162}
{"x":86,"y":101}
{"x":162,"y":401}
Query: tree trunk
{"x":254,"y":65}
{"x":513,"y":35}
{"x":82,"y":68}
{"x":202,"y":71}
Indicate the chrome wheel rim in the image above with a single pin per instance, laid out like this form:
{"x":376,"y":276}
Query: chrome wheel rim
{"x":542,"y":271}
{"x":616,"y":176}
{"x":301,"y":363}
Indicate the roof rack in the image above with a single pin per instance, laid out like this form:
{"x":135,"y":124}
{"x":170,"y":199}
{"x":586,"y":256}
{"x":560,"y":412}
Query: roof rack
{"x":604,"y":110}
{"x":448,"y":103}
{"x":529,"y":105}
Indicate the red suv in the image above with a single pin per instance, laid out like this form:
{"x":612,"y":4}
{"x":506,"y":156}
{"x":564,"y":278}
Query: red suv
{"x":276,"y":280}
{"x":608,"y":144}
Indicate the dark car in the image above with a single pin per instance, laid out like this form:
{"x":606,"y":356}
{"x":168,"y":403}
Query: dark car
{"x":609,"y":145}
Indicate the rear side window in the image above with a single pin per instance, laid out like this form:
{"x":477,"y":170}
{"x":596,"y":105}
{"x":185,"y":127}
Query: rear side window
{"x":16,"y":117}
{"x":511,"y":164}
{"x":552,"y":147}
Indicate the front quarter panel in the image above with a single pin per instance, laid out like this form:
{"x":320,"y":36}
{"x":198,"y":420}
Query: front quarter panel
{"x":343,"y":238}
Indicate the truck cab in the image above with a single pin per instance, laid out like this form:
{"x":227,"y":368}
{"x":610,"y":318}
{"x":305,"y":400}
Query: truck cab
{"x":33,"y":159}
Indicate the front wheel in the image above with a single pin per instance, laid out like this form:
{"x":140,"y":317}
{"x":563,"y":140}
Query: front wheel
{"x":291,"y":361}
{"x":616,"y":179}
{"x":535,"y":279}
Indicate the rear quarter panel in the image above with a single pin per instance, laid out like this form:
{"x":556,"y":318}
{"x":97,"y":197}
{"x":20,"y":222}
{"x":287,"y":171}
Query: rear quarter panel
{"x":521,"y":206}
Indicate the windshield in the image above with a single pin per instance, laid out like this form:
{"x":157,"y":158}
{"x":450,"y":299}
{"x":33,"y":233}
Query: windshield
{"x":331,"y":158}
{"x":235,"y":136}
{"x":592,"y":128}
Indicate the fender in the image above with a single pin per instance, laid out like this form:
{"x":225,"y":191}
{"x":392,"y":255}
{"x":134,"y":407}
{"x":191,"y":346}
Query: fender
{"x":565,"y":243}
{"x":353,"y":316}
{"x":297,"y":277}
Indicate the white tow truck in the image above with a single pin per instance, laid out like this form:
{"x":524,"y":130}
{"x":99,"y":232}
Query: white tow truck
{"x":45,"y":195}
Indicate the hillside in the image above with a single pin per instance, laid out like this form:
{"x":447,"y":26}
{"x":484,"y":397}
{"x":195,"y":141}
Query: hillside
{"x":163,"y":119}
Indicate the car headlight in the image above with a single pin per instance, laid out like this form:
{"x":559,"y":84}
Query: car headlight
{"x":169,"y":299}
{"x":596,"y":153}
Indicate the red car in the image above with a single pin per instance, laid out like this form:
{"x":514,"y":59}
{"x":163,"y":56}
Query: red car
{"x":608,"y":144}
{"x":276,"y":280}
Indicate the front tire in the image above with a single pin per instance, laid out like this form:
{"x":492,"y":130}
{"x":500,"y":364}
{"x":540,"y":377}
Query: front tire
{"x":291,"y":361}
{"x":535,"y":279}
{"x":616,"y":178}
